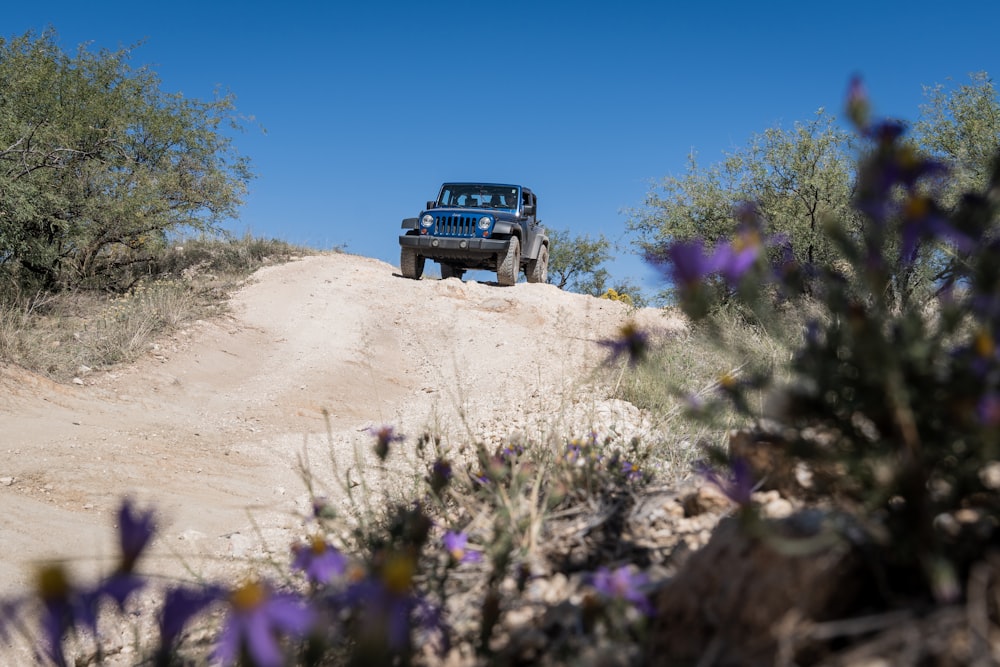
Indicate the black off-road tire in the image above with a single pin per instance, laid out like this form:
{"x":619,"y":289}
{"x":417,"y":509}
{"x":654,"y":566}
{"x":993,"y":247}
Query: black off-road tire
{"x":449,"y":271}
{"x":538,"y":269}
{"x":411,"y":265}
{"x":509,"y":264}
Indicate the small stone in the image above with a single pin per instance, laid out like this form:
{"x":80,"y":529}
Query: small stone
{"x":239,"y":545}
{"x":77,"y":381}
{"x":6,"y":481}
{"x":778,"y":508}
{"x":707,"y":499}
{"x":989,"y":475}
{"x":191,"y":536}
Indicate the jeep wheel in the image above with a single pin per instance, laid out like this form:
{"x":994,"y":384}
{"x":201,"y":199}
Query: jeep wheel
{"x":449,"y":271}
{"x":538,"y":269}
{"x":510,"y":263}
{"x":411,"y":265}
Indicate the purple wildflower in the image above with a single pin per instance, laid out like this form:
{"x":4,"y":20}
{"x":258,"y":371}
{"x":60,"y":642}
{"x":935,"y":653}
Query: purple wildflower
{"x":180,"y":605}
{"x":119,"y":586}
{"x":510,"y":451}
{"x":384,"y":436}
{"x":689,"y":263}
{"x":923,"y":219}
{"x":65,"y":607}
{"x":632,"y":343}
{"x":257,"y":618}
{"x":734,"y":259}
{"x":631,"y":471}
{"x":894,"y":164}
{"x":321,"y":507}
{"x":623,"y":584}
{"x":135,"y":530}
{"x":440,"y":475}
{"x":989,"y":409}
{"x":737,"y":486}
{"x":319,"y":561}
{"x":456,"y":543}
{"x":61,"y":609}
{"x":388,"y":609}
{"x":858,"y":106}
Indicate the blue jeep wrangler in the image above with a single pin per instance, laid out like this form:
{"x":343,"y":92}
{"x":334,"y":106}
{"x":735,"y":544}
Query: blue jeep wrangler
{"x":477,"y":226}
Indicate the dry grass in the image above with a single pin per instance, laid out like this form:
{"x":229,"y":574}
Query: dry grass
{"x":57,"y":334}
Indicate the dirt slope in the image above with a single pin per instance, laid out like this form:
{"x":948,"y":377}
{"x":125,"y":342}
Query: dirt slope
{"x":210,"y":425}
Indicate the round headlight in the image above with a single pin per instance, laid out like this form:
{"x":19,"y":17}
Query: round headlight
{"x":427,"y":220}
{"x":485,"y":222}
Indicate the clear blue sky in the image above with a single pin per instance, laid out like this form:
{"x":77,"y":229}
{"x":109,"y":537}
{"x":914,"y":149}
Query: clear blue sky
{"x":369,"y":106}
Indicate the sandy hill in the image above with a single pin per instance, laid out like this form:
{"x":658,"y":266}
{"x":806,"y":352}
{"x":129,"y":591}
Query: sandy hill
{"x":211,"y":426}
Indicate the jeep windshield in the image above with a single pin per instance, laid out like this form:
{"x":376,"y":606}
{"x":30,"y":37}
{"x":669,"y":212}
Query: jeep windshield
{"x":478,"y":196}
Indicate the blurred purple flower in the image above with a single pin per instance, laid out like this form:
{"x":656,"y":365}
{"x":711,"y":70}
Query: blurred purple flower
{"x":119,"y":586}
{"x":257,"y":618}
{"x":510,"y":451}
{"x":738,"y":485}
{"x":387,"y":607}
{"x":892,"y":164}
{"x":10,"y":610}
{"x":632,"y":343}
{"x":623,"y":584}
{"x":456,"y":543}
{"x":384,"y":436}
{"x":64,"y":607}
{"x":440,"y":475}
{"x":989,"y":409}
{"x":688,"y":262}
{"x":922,"y":219}
{"x":321,"y":507}
{"x":858,"y":106}
{"x":319,"y":561}
{"x":574,"y":452}
{"x":180,"y":605}
{"x":737,"y":257}
{"x":135,"y":530}
{"x":631,"y":471}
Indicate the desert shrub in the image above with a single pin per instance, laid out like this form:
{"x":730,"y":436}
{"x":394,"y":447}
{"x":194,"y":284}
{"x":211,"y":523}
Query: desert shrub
{"x":893,"y":407}
{"x":225,"y":255}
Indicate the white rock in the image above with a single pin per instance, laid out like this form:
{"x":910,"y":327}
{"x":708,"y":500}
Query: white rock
{"x":239,"y":545}
{"x":191,"y":536}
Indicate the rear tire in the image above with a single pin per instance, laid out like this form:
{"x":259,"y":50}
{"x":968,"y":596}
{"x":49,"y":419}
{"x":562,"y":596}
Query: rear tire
{"x":538,"y":269}
{"x":411,"y":265}
{"x":509,"y":265}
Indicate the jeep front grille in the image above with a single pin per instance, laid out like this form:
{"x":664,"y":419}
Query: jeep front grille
{"x":455,"y":225}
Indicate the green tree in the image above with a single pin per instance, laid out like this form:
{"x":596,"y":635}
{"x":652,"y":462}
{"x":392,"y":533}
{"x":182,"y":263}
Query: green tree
{"x":797,"y":178}
{"x":575,"y":262}
{"x":98,"y":165}
{"x":961,"y":126}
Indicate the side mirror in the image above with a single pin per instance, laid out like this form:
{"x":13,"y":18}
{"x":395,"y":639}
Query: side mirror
{"x":529,"y":210}
{"x":431,"y":204}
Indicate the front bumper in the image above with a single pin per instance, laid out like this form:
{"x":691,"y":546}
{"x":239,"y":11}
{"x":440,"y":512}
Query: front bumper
{"x":448,"y":247}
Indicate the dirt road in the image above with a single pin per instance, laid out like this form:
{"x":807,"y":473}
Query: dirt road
{"x":209,"y":427}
